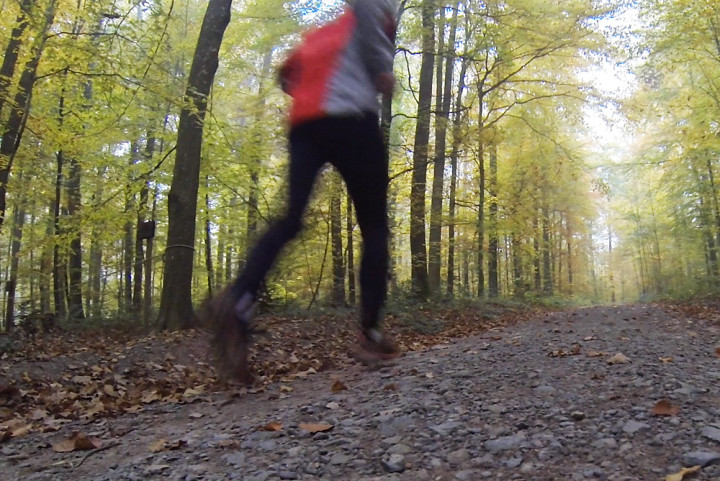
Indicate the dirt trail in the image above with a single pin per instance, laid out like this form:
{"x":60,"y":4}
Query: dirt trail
{"x":546,"y":399}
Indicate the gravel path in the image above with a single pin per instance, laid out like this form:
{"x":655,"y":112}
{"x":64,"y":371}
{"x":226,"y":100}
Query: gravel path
{"x":538,"y":400}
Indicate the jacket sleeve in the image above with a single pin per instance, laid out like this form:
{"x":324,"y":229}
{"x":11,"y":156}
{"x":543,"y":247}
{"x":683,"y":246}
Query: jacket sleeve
{"x":376,"y":27}
{"x":289,"y":73}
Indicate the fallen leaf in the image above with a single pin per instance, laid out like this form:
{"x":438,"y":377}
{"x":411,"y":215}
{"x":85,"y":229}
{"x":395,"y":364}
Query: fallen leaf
{"x":666,"y":359}
{"x":272,"y":426}
{"x":665,"y":408}
{"x":284,"y":388}
{"x":592,"y":353}
{"x":77,"y":442}
{"x":717,"y":352}
{"x":315,"y":427}
{"x":20,"y":431}
{"x":84,"y":380}
{"x":681,"y":474}
{"x":338,"y":386}
{"x":158,"y":446}
{"x":390,"y":387}
{"x":618,"y":358}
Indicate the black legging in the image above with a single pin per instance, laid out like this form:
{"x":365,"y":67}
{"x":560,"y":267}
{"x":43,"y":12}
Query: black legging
{"x":354,"y":145}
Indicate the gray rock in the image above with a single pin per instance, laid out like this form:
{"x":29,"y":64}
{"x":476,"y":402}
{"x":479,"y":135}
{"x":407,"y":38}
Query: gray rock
{"x":458,"y":457}
{"x":234,"y":459}
{"x":399,"y":449}
{"x":394,"y":464}
{"x":287,"y":475}
{"x":513,"y":463}
{"x":445,"y":429}
{"x":466,"y":475}
{"x":339,"y":458}
{"x":631,"y":427}
{"x":711,"y":433}
{"x":545,"y":390}
{"x":702,"y":458}
{"x":504,"y":443}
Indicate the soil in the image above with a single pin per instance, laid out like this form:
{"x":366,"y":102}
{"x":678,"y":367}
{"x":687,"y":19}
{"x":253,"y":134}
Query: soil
{"x":616,"y":392}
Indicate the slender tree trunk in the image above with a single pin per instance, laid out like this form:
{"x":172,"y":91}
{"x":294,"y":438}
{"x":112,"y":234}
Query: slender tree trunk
{"x":418,"y":251}
{"x":350,"y":251}
{"x":128,"y":256}
{"x":176,"y":309}
{"x":46,"y":269}
{"x":336,"y":244}
{"x":220,"y":255}
{"x":7,"y":70}
{"x":546,"y":260}
{"x":16,"y":242}
{"x":493,"y":243}
{"x":569,"y":258}
{"x":481,"y":206}
{"x":441,"y":125}
{"x":208,"y":240}
{"x":517,"y":261}
{"x":457,"y":124}
{"x":229,"y":251}
{"x":59,"y":271}
{"x":75,"y":302}
{"x":12,"y":133}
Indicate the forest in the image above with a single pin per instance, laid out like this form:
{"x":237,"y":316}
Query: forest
{"x":538,"y":150}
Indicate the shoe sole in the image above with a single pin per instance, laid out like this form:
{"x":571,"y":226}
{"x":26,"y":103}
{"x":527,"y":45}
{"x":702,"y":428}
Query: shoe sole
{"x":370,"y":358}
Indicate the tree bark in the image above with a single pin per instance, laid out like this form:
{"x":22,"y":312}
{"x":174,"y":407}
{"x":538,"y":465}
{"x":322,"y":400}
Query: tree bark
{"x":338,"y":266}
{"x":176,"y":309}
{"x":350,"y":251}
{"x":441,"y":126}
{"x":493,"y":243}
{"x":418,"y":251}
{"x":547,"y":265}
{"x":12,"y":134}
{"x":11,"y":288}
{"x":481,"y":192}
{"x":75,"y":302}
{"x":7,"y":70}
{"x":457,"y":124}
{"x":208,"y":240}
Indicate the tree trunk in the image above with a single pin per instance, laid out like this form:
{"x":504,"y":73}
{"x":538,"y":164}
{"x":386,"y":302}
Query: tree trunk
{"x":11,"y":287}
{"x":176,"y":309}
{"x":338,"y":266}
{"x":518,"y":283}
{"x":59,"y":270}
{"x":418,"y":251}
{"x":208,"y":240}
{"x":481,"y":192}
{"x":7,"y":70}
{"x":18,"y":113}
{"x":441,"y":125}
{"x":350,"y":251}
{"x":547,"y":265}
{"x":46,"y":270}
{"x":75,"y":302}
{"x":457,"y":124}
{"x":537,"y":272}
{"x":493,"y":243}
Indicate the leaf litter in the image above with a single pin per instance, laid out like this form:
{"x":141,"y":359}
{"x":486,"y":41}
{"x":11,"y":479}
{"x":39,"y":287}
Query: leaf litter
{"x":55,"y":379}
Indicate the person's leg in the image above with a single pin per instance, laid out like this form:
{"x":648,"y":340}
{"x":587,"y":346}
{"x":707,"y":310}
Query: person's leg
{"x":306,"y":159}
{"x":362,"y":162}
{"x":231,"y":311}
